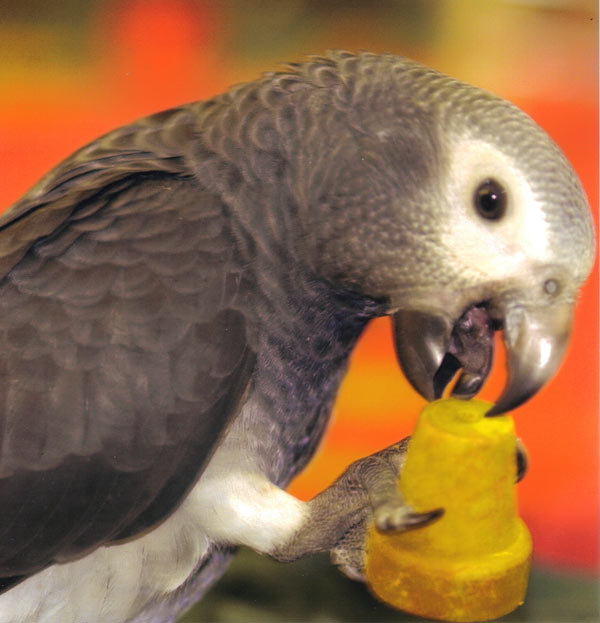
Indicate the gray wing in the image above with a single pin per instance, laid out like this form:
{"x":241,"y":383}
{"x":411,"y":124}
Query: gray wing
{"x":124,"y":351}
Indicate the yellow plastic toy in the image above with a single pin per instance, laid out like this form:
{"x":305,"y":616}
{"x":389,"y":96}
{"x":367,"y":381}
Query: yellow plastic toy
{"x":473,"y":563}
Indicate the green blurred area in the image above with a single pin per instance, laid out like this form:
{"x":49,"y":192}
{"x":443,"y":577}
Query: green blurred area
{"x":247,"y":31}
{"x":256,"y":589}
{"x":496,"y":43}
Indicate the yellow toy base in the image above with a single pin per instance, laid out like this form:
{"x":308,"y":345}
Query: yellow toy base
{"x":464,"y":591}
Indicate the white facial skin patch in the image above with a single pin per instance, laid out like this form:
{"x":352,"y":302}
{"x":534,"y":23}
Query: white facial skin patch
{"x":493,"y":249}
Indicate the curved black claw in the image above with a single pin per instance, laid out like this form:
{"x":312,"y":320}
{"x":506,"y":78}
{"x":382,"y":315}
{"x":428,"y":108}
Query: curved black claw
{"x":522,"y":460}
{"x":403,"y":518}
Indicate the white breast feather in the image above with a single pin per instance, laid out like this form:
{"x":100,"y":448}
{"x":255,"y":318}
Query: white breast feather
{"x":232,"y":503}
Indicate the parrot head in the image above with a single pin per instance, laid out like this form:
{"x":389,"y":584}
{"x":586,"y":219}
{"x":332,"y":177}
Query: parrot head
{"x":465,"y":217}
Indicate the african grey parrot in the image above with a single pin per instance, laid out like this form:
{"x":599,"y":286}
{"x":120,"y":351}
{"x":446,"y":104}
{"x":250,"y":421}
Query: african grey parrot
{"x":178,"y":301}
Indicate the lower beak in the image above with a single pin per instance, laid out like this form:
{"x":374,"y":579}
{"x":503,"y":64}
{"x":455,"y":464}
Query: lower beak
{"x":431,"y":348}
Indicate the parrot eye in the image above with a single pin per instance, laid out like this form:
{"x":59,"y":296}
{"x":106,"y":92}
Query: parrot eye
{"x":490,"y":200}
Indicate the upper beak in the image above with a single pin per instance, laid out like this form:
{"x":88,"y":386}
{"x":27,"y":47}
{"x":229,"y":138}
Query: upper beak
{"x":535,"y":341}
{"x":431,"y":348}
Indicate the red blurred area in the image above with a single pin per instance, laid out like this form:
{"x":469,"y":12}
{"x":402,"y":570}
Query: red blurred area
{"x":147,"y":55}
{"x":160,"y":52}
{"x":144,"y":56}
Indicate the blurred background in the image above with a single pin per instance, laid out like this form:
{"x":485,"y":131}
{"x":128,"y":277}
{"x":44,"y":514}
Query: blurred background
{"x":71,"y":70}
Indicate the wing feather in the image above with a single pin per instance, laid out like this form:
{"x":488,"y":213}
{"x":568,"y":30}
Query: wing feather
{"x":122,"y":358}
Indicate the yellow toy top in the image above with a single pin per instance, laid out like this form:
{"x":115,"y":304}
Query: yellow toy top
{"x":473,"y":563}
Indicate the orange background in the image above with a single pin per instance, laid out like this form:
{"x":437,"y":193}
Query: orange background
{"x":70,"y":71}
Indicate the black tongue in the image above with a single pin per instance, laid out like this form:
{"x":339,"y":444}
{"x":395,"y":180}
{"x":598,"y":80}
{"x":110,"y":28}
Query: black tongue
{"x":472,"y":348}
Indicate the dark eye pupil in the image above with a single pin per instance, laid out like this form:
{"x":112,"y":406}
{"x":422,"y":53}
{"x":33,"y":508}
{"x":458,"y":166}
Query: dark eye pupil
{"x":490,"y":200}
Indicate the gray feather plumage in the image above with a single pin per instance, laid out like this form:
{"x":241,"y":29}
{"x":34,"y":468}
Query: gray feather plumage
{"x":140,"y":277}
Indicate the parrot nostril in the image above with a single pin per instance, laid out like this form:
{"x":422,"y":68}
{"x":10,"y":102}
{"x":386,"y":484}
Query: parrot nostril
{"x":551,"y":287}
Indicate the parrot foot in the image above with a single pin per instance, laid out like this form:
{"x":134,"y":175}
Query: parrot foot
{"x":339,"y":517}
{"x":348,"y":555}
{"x":384,"y":505}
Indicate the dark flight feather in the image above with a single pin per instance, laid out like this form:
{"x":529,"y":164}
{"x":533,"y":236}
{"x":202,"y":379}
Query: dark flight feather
{"x":121,"y":357}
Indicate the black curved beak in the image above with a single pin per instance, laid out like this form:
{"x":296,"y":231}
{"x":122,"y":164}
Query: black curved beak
{"x":431,"y":348}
